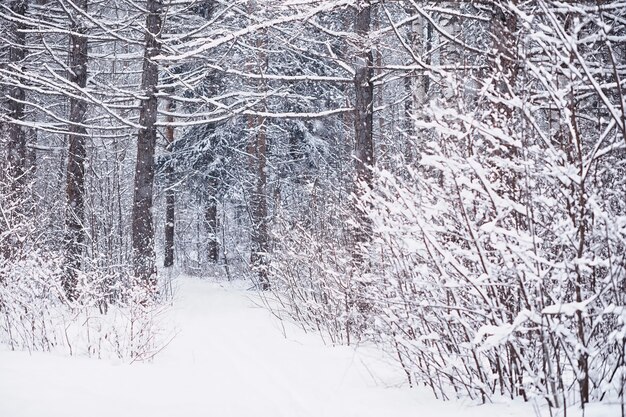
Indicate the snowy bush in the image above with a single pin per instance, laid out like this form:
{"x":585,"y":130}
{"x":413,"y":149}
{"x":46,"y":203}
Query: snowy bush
{"x":495,"y":264}
{"x":494,"y":312}
{"x":113,"y":317}
{"x":500,"y":260}
{"x":36,"y":316}
{"x":312,"y":276}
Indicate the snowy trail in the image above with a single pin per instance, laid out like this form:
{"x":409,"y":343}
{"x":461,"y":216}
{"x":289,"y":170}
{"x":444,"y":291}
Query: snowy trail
{"x":251,"y":368}
{"x":230,"y":358}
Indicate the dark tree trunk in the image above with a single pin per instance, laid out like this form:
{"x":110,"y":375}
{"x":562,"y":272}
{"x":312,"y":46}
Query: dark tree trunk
{"x":416,"y":85}
{"x":257,"y":149}
{"x":504,"y":28}
{"x":14,"y":172}
{"x":211,"y":222}
{"x":363,"y":117}
{"x":260,"y":237}
{"x":75,"y":191}
{"x":142,"y":222}
{"x":170,"y":201}
{"x":17,"y":154}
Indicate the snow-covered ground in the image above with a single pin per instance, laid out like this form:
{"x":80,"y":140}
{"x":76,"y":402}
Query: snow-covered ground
{"x":229,"y":358}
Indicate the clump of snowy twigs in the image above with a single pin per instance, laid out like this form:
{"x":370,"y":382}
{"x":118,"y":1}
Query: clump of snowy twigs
{"x":35,"y":315}
{"x":313,"y":276}
{"x":113,"y":317}
{"x":474,"y":302}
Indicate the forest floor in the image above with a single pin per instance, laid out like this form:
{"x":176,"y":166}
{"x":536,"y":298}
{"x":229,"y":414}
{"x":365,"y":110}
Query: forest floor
{"x":230,"y":358}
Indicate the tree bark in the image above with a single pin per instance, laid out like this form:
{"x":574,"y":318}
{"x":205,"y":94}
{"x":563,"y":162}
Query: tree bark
{"x":504,"y":27}
{"x":75,"y":190}
{"x":257,"y":149}
{"x":14,"y":174}
{"x":170,"y":199}
{"x":142,"y":221}
{"x":211,"y":222}
{"x":416,"y":85}
{"x":363,"y":119}
{"x":17,"y":134}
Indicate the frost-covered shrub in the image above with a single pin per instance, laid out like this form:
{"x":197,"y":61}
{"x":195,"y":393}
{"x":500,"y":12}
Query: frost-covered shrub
{"x":36,"y":316}
{"x":500,"y":255}
{"x":113,"y":315}
{"x":492,"y":310}
{"x":313,"y":277}
{"x":496,"y":262}
{"x":28,"y":292}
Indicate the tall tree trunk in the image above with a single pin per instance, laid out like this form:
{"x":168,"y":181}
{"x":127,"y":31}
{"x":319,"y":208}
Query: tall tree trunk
{"x":142,"y":222}
{"x":170,"y":202}
{"x":75,"y":191}
{"x":257,"y":149}
{"x":416,"y":85}
{"x":377,"y":54}
{"x":211,"y":221}
{"x":363,"y":118}
{"x":16,"y":166}
{"x":17,"y":134}
{"x":504,"y":28}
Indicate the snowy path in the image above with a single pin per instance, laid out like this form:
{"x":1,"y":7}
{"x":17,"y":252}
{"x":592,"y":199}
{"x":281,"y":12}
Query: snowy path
{"x":230,"y":359}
